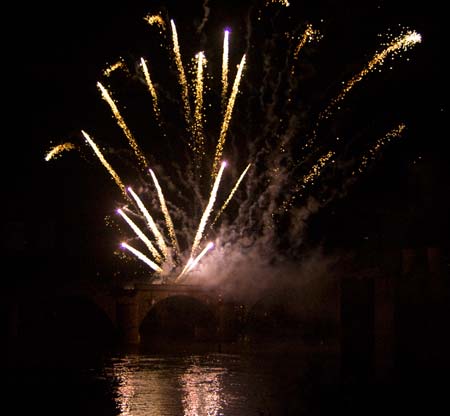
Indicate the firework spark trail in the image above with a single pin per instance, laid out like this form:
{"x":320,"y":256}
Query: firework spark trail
{"x":198,"y":112}
{"x":226,"y":35}
{"x":151,"y":88}
{"x":230,"y":196}
{"x":105,"y":163}
{"x":184,"y":269}
{"x":142,"y":257}
{"x":120,"y":121}
{"x":284,"y":3}
{"x":401,"y":42}
{"x":375,"y":149}
{"x":316,"y":169}
{"x":167,"y":217}
{"x":313,"y":173}
{"x":193,"y":262}
{"x":369,"y":156}
{"x":155,"y":20}
{"x":141,"y":235}
{"x":181,"y":75}
{"x":58,"y":149}
{"x":227,"y":118}
{"x":308,"y":35}
{"x":207,"y":211}
{"x":404,"y":42}
{"x":151,"y":223}
{"x":114,"y":67}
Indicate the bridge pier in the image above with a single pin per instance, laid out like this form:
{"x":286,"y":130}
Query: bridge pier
{"x":127,"y":316}
{"x":226,"y":320}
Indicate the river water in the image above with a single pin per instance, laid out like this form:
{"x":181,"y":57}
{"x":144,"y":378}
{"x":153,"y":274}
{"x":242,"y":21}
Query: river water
{"x":209,"y":380}
{"x":185,"y":379}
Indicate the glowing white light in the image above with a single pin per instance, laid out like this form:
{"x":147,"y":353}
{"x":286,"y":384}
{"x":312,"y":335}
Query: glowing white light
{"x":193,"y":262}
{"x":142,"y":257}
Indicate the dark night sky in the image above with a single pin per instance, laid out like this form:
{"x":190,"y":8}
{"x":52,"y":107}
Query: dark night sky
{"x":68,"y":44}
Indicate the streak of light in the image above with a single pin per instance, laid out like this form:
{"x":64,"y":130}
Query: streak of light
{"x":230,"y":196}
{"x":121,"y":122}
{"x":58,"y":149}
{"x":181,"y":74}
{"x":151,"y":223}
{"x":227,"y":117}
{"x":226,"y":36}
{"x":151,"y":88}
{"x":403,"y":42}
{"x":193,"y":262}
{"x":167,"y":217}
{"x":141,"y":235}
{"x":198,"y":112}
{"x":207,"y":211}
{"x":105,"y":163}
{"x":142,"y":257}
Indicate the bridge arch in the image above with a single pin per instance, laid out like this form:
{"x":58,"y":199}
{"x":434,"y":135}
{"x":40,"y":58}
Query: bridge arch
{"x":180,"y":317}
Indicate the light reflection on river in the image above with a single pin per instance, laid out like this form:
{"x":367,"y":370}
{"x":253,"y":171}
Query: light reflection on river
{"x":169,"y":386}
{"x":180,"y":382}
{"x":215,"y":384}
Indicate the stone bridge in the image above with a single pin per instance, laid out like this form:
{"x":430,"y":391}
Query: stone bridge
{"x":126,"y":308}
{"x":63,"y":313}
{"x":133,"y":305}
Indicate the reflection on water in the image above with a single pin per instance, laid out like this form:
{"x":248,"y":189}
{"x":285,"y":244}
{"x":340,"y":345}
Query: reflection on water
{"x":215,"y":384}
{"x":181,"y":382}
{"x":274,"y":379}
{"x":201,"y":390}
{"x":187,"y":386}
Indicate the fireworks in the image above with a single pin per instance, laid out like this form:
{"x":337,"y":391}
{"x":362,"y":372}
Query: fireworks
{"x":395,"y":46}
{"x":151,"y":87}
{"x":276,"y":162}
{"x":58,"y":149}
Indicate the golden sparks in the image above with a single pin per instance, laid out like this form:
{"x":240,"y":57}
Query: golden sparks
{"x":230,"y":196}
{"x":199,"y":139}
{"x":121,"y":122}
{"x":167,"y":217}
{"x":151,"y":88}
{"x":193,"y":262}
{"x":284,"y":3}
{"x":227,"y":118}
{"x":155,"y":19}
{"x":151,"y":223}
{"x":314,"y":172}
{"x":207,"y":211}
{"x":140,"y":234}
{"x":58,"y":149}
{"x":308,"y":35}
{"x":114,"y":67}
{"x":181,"y":74}
{"x":403,"y":42}
{"x":105,"y":163}
{"x":226,"y":35}
{"x":142,"y":257}
{"x":164,"y":249}
{"x":376,"y":148}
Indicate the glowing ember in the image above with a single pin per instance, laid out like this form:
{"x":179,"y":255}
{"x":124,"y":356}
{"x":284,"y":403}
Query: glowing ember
{"x":56,"y":150}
